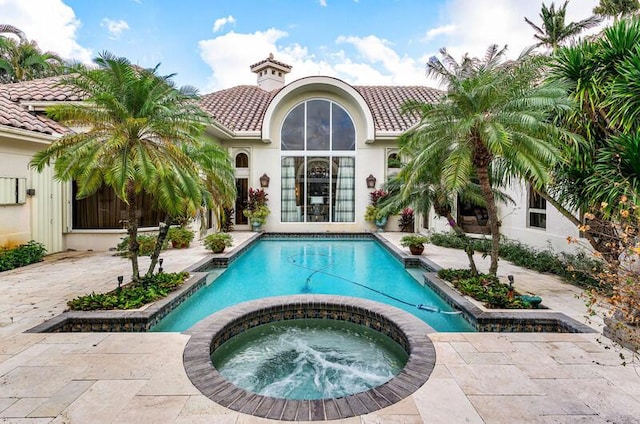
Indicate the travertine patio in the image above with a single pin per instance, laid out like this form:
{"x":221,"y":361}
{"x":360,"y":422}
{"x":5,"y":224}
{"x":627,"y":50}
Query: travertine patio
{"x":140,"y":378}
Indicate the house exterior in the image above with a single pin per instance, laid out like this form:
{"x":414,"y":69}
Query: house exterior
{"x":315,"y":145}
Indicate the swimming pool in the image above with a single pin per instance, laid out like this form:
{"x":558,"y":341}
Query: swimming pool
{"x":346,"y":267}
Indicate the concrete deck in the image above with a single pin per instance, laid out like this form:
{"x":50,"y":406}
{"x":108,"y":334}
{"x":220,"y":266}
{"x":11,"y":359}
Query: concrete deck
{"x":140,"y":377}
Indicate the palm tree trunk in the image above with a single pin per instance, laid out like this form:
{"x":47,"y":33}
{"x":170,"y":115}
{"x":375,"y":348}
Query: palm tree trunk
{"x":132,"y":230}
{"x":468,"y":249}
{"x":163,"y":230}
{"x":482,"y":173}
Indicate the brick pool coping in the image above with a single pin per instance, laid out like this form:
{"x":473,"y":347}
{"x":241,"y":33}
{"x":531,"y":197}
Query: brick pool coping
{"x":524,"y":320}
{"x":406,"y":329}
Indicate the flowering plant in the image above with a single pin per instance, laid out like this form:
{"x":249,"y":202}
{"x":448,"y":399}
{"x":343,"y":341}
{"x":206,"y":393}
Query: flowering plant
{"x":406,"y":220}
{"x":373,"y":213}
{"x":257,"y":210}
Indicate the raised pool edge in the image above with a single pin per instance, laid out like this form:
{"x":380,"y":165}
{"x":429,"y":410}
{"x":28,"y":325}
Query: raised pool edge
{"x":405,"y":329}
{"x":527,"y":320}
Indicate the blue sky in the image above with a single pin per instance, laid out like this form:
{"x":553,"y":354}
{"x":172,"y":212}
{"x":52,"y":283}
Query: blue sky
{"x":210,"y":44}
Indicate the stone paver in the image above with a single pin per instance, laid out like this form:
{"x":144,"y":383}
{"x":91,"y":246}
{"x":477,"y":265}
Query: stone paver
{"x":126,"y":378}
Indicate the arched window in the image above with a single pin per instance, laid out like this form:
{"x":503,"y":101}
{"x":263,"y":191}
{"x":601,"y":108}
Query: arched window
{"x":242,"y":160}
{"x":318,"y":142}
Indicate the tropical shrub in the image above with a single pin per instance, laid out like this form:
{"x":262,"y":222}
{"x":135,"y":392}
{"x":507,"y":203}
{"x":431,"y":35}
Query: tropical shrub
{"x":217,"y":242}
{"x":180,"y":237}
{"x":134,"y":295}
{"x":406,"y":220}
{"x":147,"y":244}
{"x":22,"y":255}
{"x":373,"y":212}
{"x":257,"y":209}
{"x":484,"y":288}
{"x":414,"y":240}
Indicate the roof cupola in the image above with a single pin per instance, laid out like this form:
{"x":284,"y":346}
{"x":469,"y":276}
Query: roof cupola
{"x":270,"y":73}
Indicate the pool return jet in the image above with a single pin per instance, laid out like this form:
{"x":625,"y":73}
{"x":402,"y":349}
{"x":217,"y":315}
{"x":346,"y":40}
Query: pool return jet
{"x":307,"y":288}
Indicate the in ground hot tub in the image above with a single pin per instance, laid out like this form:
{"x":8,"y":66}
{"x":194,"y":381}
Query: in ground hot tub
{"x":393,"y":336}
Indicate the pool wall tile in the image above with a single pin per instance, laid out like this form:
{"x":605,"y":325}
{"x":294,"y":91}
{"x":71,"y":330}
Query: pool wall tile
{"x":214,"y":330}
{"x":481,"y":320}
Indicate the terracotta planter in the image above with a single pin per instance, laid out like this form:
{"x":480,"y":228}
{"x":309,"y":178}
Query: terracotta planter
{"x":218,"y":250}
{"x":179,"y":245}
{"x":416,"y":249}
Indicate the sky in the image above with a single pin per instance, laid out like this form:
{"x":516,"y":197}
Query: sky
{"x":210,"y":44}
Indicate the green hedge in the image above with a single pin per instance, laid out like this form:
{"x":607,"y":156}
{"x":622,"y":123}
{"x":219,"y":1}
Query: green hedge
{"x":22,"y":255}
{"x":131,"y":296}
{"x":576,"y":269}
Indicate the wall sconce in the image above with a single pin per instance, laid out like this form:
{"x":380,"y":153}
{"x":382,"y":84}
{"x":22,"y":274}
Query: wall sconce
{"x":31,"y":192}
{"x":264,"y":180}
{"x":371,"y":181}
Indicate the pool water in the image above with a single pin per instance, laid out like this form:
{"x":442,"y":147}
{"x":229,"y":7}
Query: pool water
{"x":346,"y":267}
{"x":309,"y":359}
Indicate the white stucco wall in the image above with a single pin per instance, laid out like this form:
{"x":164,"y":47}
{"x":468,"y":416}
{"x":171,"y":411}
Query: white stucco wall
{"x":266,"y":157}
{"x":515,"y":224}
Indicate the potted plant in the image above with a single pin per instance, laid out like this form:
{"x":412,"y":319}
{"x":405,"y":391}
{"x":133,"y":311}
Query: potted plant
{"x":180,"y":237}
{"x":257,"y":217}
{"x":415,"y":243}
{"x":217,"y":242}
{"x":373,"y":213}
{"x":257,"y":209}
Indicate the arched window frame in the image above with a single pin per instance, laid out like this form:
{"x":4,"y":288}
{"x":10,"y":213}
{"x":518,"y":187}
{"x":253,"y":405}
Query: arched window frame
{"x":309,"y":208}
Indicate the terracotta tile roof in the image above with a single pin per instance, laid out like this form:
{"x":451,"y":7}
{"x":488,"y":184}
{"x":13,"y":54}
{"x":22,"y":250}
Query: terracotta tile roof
{"x":386,"y":104}
{"x":242,"y":108}
{"x":44,"y":89}
{"x":14,"y":115}
{"x":272,"y":60}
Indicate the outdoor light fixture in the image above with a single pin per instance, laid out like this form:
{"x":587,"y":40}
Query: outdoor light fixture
{"x":31,"y":192}
{"x":160,"y":268}
{"x":264,"y":180}
{"x":371,"y":181}
{"x":120,"y":280}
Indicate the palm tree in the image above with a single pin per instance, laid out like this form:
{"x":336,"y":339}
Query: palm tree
{"x":554,"y":30}
{"x":602,"y":77}
{"x":493,"y":116}
{"x":616,"y":8}
{"x":10,"y":29}
{"x":143,"y":137}
{"x":21,"y":59}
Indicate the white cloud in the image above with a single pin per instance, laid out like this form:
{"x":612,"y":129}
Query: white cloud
{"x":115,"y":28}
{"x":435,"y":32}
{"x":464,"y":26}
{"x":376,"y":51}
{"x":220,"y":23}
{"x":51,"y":23}
{"x":323,"y":3}
{"x":481,"y":23}
{"x":231,"y":54}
